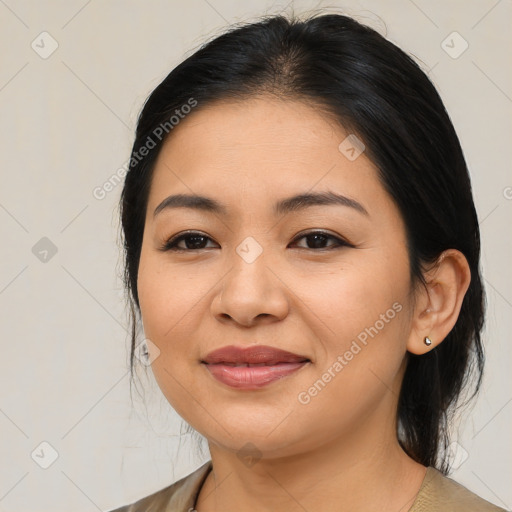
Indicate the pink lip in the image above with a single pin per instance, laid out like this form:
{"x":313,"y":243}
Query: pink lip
{"x":272,"y":364}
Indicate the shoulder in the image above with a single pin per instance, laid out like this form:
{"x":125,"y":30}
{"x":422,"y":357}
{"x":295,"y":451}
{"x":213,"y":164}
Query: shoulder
{"x":440,"y":493}
{"x":177,"y":497}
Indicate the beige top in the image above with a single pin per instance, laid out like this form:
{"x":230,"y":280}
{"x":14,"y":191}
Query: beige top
{"x":437,"y":493}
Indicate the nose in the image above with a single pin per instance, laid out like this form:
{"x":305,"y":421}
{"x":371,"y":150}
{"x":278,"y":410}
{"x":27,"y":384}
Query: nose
{"x":251,"y":293}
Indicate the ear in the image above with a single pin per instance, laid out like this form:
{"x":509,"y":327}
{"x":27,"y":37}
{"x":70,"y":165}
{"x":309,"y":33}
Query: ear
{"x":438,"y":304}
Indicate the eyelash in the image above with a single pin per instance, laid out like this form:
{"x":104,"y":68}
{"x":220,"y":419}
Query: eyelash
{"x":171,"y":244}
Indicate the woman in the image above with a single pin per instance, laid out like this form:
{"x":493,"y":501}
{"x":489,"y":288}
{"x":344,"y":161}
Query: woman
{"x":303,"y":249}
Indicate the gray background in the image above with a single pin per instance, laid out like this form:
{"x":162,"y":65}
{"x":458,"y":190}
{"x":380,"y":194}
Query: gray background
{"x":67,"y":122}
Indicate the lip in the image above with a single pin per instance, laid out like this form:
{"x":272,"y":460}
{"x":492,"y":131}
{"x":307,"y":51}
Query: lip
{"x":255,"y":354}
{"x":230,"y":365}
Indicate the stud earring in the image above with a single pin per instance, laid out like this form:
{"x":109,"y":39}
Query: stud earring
{"x":427,"y":341}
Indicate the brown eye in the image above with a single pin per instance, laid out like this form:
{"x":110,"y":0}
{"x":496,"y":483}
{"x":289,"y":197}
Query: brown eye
{"x":318,"y":240}
{"x":193,"y":240}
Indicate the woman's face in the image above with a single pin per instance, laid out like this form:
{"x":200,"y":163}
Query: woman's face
{"x":253,"y":275}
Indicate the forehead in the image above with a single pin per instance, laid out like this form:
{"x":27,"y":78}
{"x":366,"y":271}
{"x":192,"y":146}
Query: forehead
{"x":261,"y":124}
{"x":259,"y":148}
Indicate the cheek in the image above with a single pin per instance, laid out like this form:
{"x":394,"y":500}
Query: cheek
{"x":172,"y":303}
{"x":170,"y":298}
{"x":363,"y":313}
{"x":340,"y":313}
{"x":353,"y":299}
{"x":360,"y":369}
{"x":165,"y":321}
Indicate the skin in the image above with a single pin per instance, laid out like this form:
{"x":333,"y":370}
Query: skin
{"x":339,"y":451}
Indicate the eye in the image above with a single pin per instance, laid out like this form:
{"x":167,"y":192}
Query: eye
{"x":193,"y":240}
{"x":318,"y":238}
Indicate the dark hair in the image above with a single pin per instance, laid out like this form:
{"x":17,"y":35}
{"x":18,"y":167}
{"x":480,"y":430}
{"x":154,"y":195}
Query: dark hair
{"x":380,"y":94}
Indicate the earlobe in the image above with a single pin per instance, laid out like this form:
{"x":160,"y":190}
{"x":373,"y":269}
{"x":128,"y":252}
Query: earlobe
{"x":439,"y":302}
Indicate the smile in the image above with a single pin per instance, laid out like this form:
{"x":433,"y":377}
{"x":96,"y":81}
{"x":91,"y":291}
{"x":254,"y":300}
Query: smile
{"x":252,"y":367}
{"x":252,"y":376}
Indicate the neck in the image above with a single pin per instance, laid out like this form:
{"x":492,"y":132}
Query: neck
{"x":368,"y":471}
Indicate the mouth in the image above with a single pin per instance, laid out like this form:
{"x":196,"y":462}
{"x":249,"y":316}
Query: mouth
{"x":252,"y":367}
{"x":256,"y":355}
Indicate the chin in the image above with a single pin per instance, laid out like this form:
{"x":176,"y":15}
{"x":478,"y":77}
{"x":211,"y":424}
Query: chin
{"x":272,"y":442}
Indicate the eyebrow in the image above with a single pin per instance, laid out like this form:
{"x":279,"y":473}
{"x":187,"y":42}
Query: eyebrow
{"x":284,"y":206}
